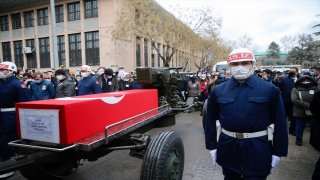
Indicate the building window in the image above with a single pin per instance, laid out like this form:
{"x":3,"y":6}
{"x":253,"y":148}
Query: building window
{"x":138,"y":52}
{"x":4,"y":23}
{"x":92,"y":49}
{"x":159,"y":55}
{"x":164,"y":53}
{"x":59,"y":14}
{"x":18,"y":56}
{"x":31,"y":57}
{"x":61,"y":50}
{"x":44,"y":46}
{"x":74,"y":11}
{"x":177,"y":59}
{"x":152,"y":60}
{"x":91,"y":8}
{"x":28,"y":19}
{"x":43,"y":17}
{"x":16,"y":21}
{"x":75,"y":57}
{"x":6,"y":51}
{"x":146,"y":55}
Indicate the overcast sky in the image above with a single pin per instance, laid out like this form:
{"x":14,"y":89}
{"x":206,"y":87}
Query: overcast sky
{"x":263,"y":20}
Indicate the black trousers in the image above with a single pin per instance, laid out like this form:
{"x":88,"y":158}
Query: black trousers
{"x":229,"y":175}
{"x":289,"y":111}
{"x":7,"y":151}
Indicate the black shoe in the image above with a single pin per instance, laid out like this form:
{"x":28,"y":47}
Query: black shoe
{"x":292,"y":133}
{"x":299,"y":142}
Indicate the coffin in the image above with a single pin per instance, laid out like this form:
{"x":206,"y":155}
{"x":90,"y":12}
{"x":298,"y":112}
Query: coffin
{"x":68,"y":120}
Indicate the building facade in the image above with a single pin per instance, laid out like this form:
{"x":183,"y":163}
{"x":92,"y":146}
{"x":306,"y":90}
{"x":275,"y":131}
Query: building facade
{"x":83,"y":37}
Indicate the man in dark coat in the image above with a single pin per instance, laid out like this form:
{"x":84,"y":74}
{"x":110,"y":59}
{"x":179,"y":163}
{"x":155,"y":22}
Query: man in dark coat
{"x":244,"y":115}
{"x":64,"y":88}
{"x":108,"y":81}
{"x":285,"y":85}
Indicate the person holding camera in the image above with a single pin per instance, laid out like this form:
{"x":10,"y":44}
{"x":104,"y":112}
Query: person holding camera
{"x":301,"y":97}
{"x":285,"y":85}
{"x":266,"y":75}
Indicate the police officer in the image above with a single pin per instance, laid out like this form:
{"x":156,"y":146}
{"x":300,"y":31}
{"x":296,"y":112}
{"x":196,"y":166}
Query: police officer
{"x":246,"y":107}
{"x":11,"y":92}
{"x":88,"y":84}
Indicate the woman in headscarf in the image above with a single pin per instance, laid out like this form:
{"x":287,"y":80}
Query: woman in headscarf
{"x":301,"y":96}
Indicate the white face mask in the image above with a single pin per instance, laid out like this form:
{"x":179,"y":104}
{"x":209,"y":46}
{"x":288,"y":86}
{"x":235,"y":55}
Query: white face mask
{"x":109,"y":77}
{"x":48,"y":80}
{"x":59,"y":78}
{"x":4,"y":76}
{"x":125,"y":79}
{"x":241,"y":72}
{"x":84,"y":74}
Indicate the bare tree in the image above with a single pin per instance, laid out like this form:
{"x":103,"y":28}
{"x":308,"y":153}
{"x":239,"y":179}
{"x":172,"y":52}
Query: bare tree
{"x":147,"y":19}
{"x":245,"y":41}
{"x":288,"y":42}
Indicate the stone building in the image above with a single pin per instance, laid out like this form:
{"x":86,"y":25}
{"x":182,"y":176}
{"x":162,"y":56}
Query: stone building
{"x":83,"y":36}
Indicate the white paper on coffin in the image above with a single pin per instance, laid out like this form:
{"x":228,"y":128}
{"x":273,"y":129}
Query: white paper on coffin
{"x":40,"y":125}
{"x":108,"y":100}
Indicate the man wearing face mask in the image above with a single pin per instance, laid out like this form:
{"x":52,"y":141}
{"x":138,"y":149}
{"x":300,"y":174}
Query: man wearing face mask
{"x":285,"y":85}
{"x":88,"y":84}
{"x":315,"y":73}
{"x":246,"y":130}
{"x":226,"y":77}
{"x":41,"y":89}
{"x":64,"y":87}
{"x":108,"y":81}
{"x":12,"y":91}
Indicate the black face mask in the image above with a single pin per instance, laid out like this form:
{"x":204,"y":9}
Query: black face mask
{"x":306,"y":86}
{"x":291,"y":74}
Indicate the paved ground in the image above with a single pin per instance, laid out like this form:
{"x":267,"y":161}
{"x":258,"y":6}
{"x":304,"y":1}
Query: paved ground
{"x":118,"y":165}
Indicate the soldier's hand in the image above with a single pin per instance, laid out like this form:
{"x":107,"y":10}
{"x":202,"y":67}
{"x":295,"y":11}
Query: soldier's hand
{"x":274,"y":163}
{"x":213,"y":154}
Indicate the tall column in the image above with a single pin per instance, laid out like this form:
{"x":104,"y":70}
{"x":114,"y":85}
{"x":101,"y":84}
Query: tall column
{"x":54,"y":35}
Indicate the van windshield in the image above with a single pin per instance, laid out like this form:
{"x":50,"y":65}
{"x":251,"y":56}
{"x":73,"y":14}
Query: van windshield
{"x":222,"y":67}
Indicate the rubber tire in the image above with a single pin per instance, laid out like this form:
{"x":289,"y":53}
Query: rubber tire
{"x":153,"y":165}
{"x":61,"y":168}
{"x":204,"y":114}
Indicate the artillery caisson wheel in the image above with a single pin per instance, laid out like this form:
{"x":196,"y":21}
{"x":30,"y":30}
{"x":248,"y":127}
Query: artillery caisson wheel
{"x":204,"y":114}
{"x":55,"y":170}
{"x":164,"y":158}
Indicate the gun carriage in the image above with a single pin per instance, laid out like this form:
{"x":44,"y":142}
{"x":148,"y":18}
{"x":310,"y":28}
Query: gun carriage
{"x":54,"y":140}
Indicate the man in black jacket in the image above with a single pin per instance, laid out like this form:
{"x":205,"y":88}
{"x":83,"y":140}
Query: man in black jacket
{"x":285,"y":86}
{"x":108,"y":81}
{"x":64,"y":87}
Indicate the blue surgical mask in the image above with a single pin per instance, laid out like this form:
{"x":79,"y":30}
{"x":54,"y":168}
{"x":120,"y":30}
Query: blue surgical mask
{"x":228,"y":77}
{"x":38,"y":81}
{"x":222,"y":76}
{"x":312,"y":73}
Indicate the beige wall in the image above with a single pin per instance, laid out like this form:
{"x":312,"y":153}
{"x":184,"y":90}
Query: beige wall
{"x":113,"y":54}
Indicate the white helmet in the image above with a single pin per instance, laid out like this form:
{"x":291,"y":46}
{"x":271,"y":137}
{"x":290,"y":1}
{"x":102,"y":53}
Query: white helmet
{"x":241,"y":54}
{"x":8,"y":65}
{"x":85,"y":68}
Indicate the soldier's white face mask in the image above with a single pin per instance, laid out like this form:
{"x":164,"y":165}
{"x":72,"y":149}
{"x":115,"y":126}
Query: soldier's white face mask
{"x":84,"y":74}
{"x":3,"y":75}
{"x":241,"y":72}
